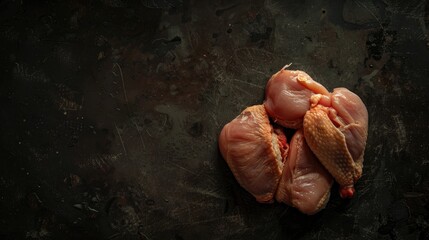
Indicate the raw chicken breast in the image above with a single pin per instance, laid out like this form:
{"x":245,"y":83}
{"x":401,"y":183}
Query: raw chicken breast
{"x":305,"y":183}
{"x":254,"y":151}
{"x":336,"y":132}
{"x":287,"y":97}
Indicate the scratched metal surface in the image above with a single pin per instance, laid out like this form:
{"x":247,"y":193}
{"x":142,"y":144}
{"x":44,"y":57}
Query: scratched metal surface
{"x":110,"y":112}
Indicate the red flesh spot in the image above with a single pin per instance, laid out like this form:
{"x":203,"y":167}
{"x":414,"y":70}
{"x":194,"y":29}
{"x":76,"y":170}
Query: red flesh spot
{"x":347,"y":192}
{"x":284,"y":147}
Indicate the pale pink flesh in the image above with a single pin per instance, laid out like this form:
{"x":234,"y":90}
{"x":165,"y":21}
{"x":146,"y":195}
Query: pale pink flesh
{"x":287,"y":96}
{"x":305,"y":183}
{"x":354,"y":117}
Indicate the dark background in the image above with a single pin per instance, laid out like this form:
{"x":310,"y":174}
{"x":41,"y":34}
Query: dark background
{"x":110,"y":112}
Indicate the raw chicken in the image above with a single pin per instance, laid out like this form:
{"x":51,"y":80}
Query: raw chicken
{"x":329,"y":144}
{"x":254,"y":151}
{"x":336,"y":132}
{"x":305,"y":183}
{"x":287,"y":97}
{"x":335,"y":124}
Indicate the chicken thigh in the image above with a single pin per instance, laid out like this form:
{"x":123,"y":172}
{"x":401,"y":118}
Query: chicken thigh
{"x":287,"y":97}
{"x":305,"y":183}
{"x":336,"y":132}
{"x":254,"y":151}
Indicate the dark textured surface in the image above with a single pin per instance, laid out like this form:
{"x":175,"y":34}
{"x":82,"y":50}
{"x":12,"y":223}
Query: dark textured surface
{"x":111,"y":109}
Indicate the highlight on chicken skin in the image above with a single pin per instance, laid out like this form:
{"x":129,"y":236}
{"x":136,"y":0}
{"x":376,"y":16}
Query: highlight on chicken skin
{"x":305,"y":183}
{"x":287,"y":97}
{"x":336,"y":132}
{"x":254,"y":151}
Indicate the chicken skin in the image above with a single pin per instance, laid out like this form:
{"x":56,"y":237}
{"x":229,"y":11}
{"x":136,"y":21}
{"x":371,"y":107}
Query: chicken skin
{"x":254,"y":151}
